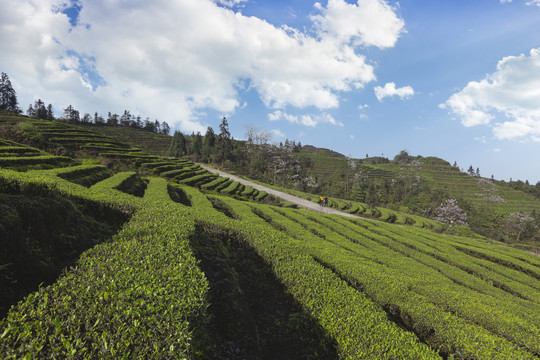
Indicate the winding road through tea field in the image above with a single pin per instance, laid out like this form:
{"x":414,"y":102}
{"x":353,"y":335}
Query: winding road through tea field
{"x":306,"y":204}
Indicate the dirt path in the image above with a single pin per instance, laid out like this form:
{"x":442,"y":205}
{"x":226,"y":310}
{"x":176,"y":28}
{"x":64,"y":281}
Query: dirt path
{"x":306,"y":204}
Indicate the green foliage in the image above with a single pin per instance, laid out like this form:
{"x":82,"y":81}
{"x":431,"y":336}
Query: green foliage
{"x":105,"y":307}
{"x":133,"y":185}
{"x":35,"y":162}
{"x":231,"y":188}
{"x":178,"y":145}
{"x":7,"y":151}
{"x":214,"y":183}
{"x":364,"y":289}
{"x":41,"y":235}
{"x":251,"y":315}
{"x":197,"y":179}
{"x":30,"y":132}
{"x":224,"y":145}
{"x":178,"y":195}
{"x":85,"y":175}
{"x":8,"y":95}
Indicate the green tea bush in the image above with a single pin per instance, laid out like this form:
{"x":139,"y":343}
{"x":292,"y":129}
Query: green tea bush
{"x":135,"y":297}
{"x":214,"y":183}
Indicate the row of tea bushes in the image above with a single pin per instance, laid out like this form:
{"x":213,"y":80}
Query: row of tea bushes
{"x":136,"y":296}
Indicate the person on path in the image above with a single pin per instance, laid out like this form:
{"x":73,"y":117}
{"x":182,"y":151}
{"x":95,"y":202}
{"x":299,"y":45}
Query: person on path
{"x":321,"y":201}
{"x":325,"y":201}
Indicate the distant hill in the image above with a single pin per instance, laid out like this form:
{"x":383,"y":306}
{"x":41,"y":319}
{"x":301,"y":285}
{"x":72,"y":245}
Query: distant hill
{"x":420,"y":184}
{"x":315,"y":150}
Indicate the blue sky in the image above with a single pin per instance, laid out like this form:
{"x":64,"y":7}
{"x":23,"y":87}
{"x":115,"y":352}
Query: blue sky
{"x":455,"y":79}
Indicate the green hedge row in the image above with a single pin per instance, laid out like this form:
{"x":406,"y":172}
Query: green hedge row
{"x":197,"y":179}
{"x":135,"y":297}
{"x":121,"y":155}
{"x":12,"y":162}
{"x":361,"y":329}
{"x":19,"y":150}
{"x":231,"y":188}
{"x":214,"y":183}
{"x":365,"y":282}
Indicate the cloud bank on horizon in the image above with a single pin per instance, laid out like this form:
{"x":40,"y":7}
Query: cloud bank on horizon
{"x":160,"y":58}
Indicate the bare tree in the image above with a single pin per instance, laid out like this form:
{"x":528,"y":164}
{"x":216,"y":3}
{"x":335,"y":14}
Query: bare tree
{"x":518,"y":224}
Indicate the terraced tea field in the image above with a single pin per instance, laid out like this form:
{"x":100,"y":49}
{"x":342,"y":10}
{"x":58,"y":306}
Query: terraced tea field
{"x":106,"y":149}
{"x":214,"y":274}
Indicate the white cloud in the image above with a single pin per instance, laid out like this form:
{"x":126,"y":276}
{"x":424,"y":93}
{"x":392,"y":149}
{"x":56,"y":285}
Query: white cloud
{"x":306,"y":120}
{"x":368,"y":22}
{"x":390,"y":89}
{"x":172,"y":59}
{"x":533,"y":2}
{"x":496,"y":150}
{"x":511,"y":93}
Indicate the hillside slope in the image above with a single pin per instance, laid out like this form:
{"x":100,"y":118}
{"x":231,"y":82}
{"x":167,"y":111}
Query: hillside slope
{"x":197,"y":273}
{"x":414,"y":185}
{"x":420,"y":184}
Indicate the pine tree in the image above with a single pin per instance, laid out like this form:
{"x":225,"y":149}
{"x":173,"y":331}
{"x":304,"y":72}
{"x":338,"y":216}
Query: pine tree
{"x":209,"y":142}
{"x":8,"y":96}
{"x":50,"y":112}
{"x":125,"y":118}
{"x":224,"y":144}
{"x":196,"y":145}
{"x":209,"y":137}
{"x":178,"y":145}
{"x":72,"y":115}
{"x":30,"y":111}
{"x":40,"y":109}
{"x":165,"y":128}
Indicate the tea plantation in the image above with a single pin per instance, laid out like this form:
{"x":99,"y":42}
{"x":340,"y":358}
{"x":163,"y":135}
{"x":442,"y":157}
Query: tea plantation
{"x":159,"y":259}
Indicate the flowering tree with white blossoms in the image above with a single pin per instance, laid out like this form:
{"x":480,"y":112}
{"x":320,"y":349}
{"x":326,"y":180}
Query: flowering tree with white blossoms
{"x":449,"y":212}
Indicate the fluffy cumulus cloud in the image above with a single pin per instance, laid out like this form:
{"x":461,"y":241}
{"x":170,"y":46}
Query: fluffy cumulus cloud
{"x":390,"y":90}
{"x":173,"y":59}
{"x":306,"y":120}
{"x":509,"y":99}
{"x":368,"y":22}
